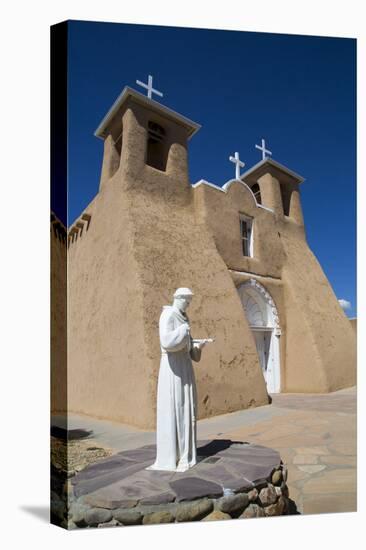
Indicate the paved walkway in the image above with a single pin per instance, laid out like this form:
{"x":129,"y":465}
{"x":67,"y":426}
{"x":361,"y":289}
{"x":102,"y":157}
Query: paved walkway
{"x":314,"y":434}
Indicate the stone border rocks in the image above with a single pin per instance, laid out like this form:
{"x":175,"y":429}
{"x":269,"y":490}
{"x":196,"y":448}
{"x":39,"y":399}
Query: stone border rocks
{"x":264,"y":499}
{"x":231,"y":480}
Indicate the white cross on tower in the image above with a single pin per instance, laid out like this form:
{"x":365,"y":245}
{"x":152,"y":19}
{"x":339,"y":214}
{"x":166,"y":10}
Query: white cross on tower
{"x":149,"y":87}
{"x":263,"y":149}
{"x":238,"y":164}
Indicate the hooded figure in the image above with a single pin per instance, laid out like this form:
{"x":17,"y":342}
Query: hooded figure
{"x":176,"y":432}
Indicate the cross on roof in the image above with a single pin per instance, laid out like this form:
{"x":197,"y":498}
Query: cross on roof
{"x":238,"y":164}
{"x":149,"y":87}
{"x":263,"y":149}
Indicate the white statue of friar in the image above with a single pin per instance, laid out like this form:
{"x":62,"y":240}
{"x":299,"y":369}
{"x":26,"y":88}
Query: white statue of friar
{"x":176,"y":432}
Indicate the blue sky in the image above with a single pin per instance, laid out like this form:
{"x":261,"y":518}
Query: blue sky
{"x":298,"y":92}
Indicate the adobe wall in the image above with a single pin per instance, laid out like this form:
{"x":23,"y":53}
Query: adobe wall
{"x":108,"y":367}
{"x":143,"y":242}
{"x":150,"y":232}
{"x":321,"y":348}
{"x":58,"y":314}
{"x":220,"y":212}
{"x":172,"y":251}
{"x":354,"y":324}
{"x":317,"y":346}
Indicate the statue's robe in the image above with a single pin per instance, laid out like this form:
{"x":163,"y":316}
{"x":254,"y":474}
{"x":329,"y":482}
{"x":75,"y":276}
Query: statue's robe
{"x":176,"y":432}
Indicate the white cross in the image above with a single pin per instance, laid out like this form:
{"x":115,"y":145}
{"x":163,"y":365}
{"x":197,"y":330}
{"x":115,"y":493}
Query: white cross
{"x":263,"y":149}
{"x":238,"y":164}
{"x":149,"y":87}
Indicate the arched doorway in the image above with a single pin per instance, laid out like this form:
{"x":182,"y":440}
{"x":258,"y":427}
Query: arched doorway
{"x":261,"y":313}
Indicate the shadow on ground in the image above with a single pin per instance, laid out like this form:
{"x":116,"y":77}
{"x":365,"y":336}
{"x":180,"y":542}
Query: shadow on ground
{"x":217,"y":445}
{"x":70,"y":435}
{"x":40,"y":512}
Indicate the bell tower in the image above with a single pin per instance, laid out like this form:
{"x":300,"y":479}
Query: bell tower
{"x":277,"y":188}
{"x":144,"y":140}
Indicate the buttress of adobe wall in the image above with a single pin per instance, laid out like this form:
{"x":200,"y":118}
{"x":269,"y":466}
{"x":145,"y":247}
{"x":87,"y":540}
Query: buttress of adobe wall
{"x":107,"y":365}
{"x":321,"y":349}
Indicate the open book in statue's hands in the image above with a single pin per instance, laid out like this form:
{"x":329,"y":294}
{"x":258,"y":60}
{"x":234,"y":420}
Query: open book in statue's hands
{"x":200,"y":342}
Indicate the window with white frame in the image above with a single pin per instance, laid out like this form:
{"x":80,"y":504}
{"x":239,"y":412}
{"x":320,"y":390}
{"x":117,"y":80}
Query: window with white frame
{"x":246,"y":234}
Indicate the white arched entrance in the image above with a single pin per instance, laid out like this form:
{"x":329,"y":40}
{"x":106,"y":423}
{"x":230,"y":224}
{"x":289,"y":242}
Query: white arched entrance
{"x":262,"y":316}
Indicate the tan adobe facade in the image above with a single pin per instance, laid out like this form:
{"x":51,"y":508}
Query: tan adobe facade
{"x":58,"y":314}
{"x":259,"y":290}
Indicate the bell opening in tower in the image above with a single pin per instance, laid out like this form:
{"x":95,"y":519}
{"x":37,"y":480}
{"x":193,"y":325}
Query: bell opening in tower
{"x":286,"y":197}
{"x":115,"y":160}
{"x":157,"y":152}
{"x":257,"y":193}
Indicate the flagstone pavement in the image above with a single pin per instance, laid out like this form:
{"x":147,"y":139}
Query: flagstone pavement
{"x":315,"y":435}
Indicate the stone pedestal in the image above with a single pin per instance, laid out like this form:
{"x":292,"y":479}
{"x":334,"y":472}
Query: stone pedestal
{"x":232,"y":480}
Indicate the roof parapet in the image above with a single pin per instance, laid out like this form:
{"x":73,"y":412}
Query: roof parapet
{"x":127,"y":93}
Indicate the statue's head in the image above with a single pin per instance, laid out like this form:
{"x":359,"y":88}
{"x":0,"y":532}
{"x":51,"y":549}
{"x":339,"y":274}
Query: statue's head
{"x":182,"y":298}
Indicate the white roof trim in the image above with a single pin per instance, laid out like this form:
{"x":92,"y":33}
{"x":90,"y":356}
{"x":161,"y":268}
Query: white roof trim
{"x":276,"y":165}
{"x":230,"y":182}
{"x":130,"y":92}
{"x":225,"y":189}
{"x":204,"y":182}
{"x":265,"y":208}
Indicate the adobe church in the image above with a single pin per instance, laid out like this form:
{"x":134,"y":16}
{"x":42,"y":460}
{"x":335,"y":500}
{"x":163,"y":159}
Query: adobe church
{"x":258,"y":288}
